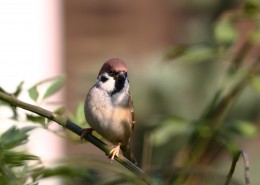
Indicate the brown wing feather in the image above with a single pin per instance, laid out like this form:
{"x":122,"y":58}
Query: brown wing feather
{"x":131,"y":105}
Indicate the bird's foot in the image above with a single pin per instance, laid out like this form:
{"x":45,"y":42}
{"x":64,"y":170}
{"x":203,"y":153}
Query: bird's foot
{"x":85,"y":132}
{"x":114,"y":152}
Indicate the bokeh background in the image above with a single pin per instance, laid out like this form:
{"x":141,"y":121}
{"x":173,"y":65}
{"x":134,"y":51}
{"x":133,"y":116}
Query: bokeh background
{"x":171,"y":86}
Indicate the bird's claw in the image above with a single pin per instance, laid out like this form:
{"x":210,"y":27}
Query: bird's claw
{"x":114,"y":152}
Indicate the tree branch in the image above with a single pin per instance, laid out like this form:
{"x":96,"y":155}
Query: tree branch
{"x":233,"y":166}
{"x":13,"y":101}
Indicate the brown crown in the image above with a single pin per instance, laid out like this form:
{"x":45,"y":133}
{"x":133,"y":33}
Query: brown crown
{"x":113,"y":64}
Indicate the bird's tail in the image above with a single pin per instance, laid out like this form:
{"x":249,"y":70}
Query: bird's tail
{"x":129,"y":154}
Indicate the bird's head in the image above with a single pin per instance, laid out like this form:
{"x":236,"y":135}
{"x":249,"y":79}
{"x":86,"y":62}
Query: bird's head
{"x":112,"y":77}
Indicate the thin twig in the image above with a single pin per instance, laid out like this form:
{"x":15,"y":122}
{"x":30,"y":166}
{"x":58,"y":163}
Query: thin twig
{"x":233,"y":166}
{"x":247,"y":169}
{"x":13,"y":101}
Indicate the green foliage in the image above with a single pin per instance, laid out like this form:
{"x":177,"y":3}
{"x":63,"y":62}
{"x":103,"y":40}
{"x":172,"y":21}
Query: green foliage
{"x":14,"y":162}
{"x":252,"y":7}
{"x":225,"y":33}
{"x":18,"y":89}
{"x":35,"y":119}
{"x":255,"y":35}
{"x":191,"y":54}
{"x":33,"y":93}
{"x":14,"y":137}
{"x":21,"y":168}
{"x":245,"y":128}
{"x":169,"y":128}
{"x":255,"y":84}
{"x":54,"y":85}
{"x":78,"y":116}
{"x":59,"y":110}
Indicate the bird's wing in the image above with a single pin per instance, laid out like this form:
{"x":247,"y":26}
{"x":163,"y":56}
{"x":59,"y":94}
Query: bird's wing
{"x":131,"y":105}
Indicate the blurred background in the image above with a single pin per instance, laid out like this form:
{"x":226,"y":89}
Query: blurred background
{"x":179,"y":55}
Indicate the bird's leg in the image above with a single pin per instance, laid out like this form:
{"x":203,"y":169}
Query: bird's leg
{"x":85,"y":132}
{"x":114,"y":151}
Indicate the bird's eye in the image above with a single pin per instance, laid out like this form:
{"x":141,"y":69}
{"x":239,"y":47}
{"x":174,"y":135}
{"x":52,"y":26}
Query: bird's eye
{"x":111,"y":73}
{"x":103,"y":79}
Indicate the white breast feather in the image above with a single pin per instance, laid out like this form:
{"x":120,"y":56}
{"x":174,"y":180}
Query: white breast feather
{"x":104,"y":113}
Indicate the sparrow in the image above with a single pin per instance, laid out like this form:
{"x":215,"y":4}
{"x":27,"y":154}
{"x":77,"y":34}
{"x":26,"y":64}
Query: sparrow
{"x":109,"y":108}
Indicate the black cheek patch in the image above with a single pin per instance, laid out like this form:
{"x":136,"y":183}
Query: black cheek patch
{"x":119,"y":84}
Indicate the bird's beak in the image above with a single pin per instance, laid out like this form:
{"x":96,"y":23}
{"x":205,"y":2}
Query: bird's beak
{"x":121,"y":76}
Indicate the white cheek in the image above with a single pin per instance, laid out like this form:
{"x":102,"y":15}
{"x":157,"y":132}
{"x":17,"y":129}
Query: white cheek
{"x":107,"y":86}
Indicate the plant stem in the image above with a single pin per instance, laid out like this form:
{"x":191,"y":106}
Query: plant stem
{"x":13,"y":101}
{"x":233,"y":166}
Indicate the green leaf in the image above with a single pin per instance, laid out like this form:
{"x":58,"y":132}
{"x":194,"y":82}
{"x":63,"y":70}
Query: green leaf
{"x":255,"y":84}
{"x":176,"y":52}
{"x":35,"y":119}
{"x":62,"y":171}
{"x":55,"y":86}
{"x":12,"y":157}
{"x":17,"y":158}
{"x":13,"y":137}
{"x":244,"y":128}
{"x":225,"y":32}
{"x":170,"y":127}
{"x":33,"y":93}
{"x":80,"y":113}
{"x":191,"y":54}
{"x":15,"y":113}
{"x":252,"y":7}
{"x":79,"y":116}
{"x":198,"y":54}
{"x":255,"y":36}
{"x":60,"y":111}
{"x":18,"y":89}
{"x":230,"y":144}
{"x":27,"y":129}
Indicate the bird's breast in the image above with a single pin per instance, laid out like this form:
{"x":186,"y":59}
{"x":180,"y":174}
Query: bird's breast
{"x":110,"y":121}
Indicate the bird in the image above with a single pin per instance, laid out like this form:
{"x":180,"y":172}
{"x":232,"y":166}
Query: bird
{"x":109,"y":108}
